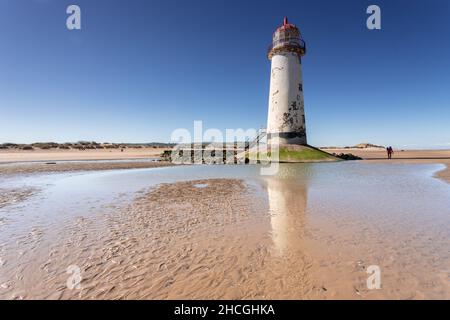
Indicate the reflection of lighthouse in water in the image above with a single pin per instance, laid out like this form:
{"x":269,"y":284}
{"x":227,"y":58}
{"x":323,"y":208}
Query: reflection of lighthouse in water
{"x":286,"y":118}
{"x":287,"y":205}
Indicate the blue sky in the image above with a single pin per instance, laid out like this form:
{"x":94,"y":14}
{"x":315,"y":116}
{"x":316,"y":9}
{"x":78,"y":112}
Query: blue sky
{"x":140,"y":69}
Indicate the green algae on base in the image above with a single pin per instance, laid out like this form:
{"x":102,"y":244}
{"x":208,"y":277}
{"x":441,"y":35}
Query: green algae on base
{"x":294,"y":153}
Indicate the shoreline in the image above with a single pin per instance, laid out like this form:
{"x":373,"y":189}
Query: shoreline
{"x":54,"y":161}
{"x":373,"y":155}
{"x":17,"y":162}
{"x":28,"y":168}
{"x":444,"y":174}
{"x":15,"y":156}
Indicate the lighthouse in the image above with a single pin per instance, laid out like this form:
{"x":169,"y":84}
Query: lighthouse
{"x":286,"y":117}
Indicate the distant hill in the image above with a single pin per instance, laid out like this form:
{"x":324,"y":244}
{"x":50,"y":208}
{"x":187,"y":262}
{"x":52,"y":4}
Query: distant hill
{"x":82,"y":145}
{"x":367,"y":145}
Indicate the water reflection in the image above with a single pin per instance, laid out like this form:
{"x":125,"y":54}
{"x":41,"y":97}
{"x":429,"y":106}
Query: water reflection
{"x":288,"y":199}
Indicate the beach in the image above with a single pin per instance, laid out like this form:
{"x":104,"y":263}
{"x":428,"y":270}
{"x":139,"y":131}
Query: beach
{"x":226,"y":155}
{"x":40,"y":161}
{"x":15,"y":155}
{"x":48,"y":161}
{"x":375,"y":155}
{"x":224,"y":232}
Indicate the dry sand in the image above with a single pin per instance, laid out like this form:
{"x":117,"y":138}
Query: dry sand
{"x":55,"y":160}
{"x":74,"y":154}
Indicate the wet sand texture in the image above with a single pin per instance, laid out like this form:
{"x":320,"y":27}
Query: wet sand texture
{"x":275,"y":238}
{"x":53,"y":167}
{"x":10,"y":196}
{"x":178,"y":240}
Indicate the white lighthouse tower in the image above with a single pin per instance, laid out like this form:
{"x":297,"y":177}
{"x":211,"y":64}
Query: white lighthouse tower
{"x":286,"y":118}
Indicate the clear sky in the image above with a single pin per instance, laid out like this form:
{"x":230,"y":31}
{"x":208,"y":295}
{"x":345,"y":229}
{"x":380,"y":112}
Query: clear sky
{"x":140,"y":69}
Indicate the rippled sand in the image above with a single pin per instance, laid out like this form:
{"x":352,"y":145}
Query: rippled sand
{"x":10,"y":196}
{"x":271,"y":238}
{"x":193,"y":239}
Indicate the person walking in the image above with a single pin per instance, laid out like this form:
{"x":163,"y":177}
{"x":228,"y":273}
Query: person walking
{"x":389,"y":151}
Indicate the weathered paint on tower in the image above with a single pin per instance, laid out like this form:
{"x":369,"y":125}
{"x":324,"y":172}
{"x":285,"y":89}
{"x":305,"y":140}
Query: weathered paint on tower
{"x":286,"y":119}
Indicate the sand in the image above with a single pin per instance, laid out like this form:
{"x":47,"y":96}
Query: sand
{"x":54,"y":167}
{"x":56,"y":160}
{"x":10,"y":196}
{"x":175,"y":241}
{"x":74,"y":154}
{"x":374,"y":155}
{"x":213,"y":239}
{"x":14,"y":162}
{"x":12,"y":156}
{"x":203,"y":239}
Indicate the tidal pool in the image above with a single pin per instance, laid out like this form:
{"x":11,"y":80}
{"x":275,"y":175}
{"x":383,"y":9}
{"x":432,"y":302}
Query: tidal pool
{"x":226,"y":231}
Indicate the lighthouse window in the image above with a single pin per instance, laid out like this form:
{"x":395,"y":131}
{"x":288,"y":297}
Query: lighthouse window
{"x":300,"y":87}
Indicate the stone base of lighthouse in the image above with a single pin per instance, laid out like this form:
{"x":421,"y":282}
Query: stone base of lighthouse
{"x":288,"y":138}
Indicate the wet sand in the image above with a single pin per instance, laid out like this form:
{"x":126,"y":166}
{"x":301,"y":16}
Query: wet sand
{"x":191,"y":240}
{"x":234,"y":239}
{"x":406,"y":156}
{"x":203,"y":239}
{"x":375,"y":153}
{"x":229,"y":239}
{"x":23,"y":162}
{"x":445,"y":174}
{"x":10,"y":196}
{"x":19,"y":162}
{"x":72,"y":166}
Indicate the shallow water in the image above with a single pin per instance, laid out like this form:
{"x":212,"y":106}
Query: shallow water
{"x":328,"y":221}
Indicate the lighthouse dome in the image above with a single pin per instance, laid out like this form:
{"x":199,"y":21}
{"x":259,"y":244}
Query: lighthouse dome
{"x":287,"y":37}
{"x":287,"y":27}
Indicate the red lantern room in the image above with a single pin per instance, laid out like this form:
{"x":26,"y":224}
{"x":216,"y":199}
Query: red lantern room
{"x":287,"y":37}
